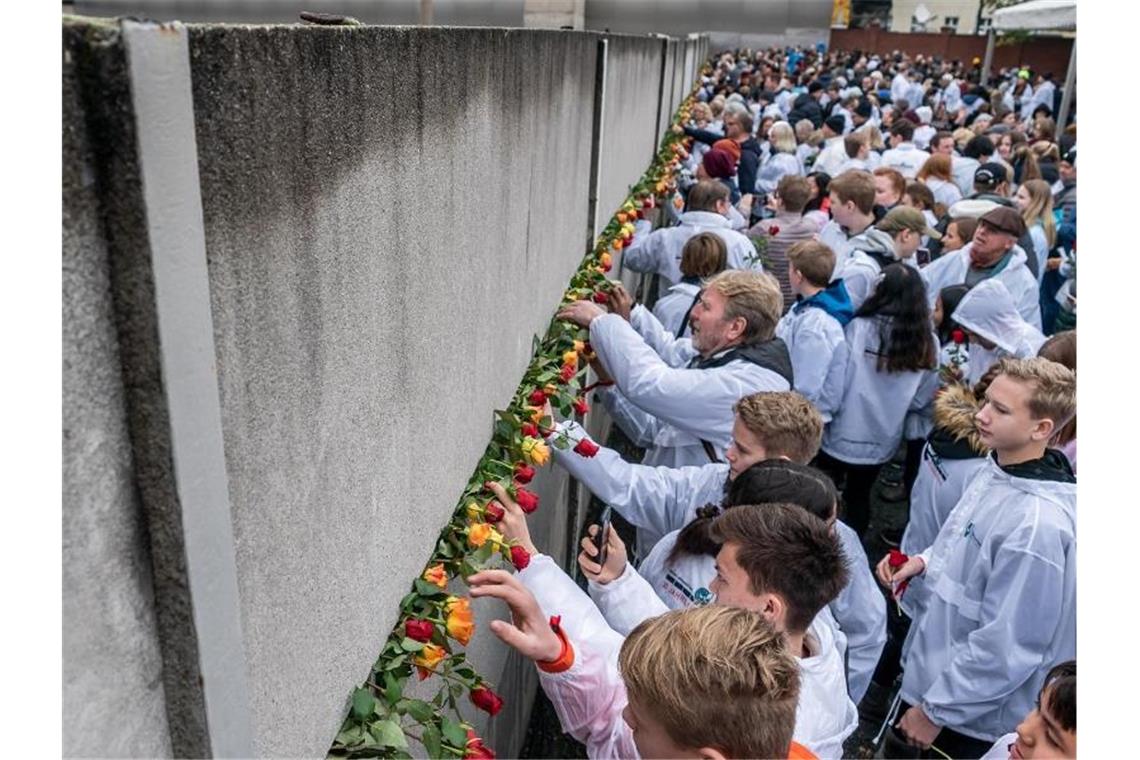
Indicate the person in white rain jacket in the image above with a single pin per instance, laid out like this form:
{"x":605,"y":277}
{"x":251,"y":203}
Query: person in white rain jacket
{"x":895,"y":239}
{"x":890,"y":372}
{"x":993,"y":252}
{"x":996,"y":330}
{"x":1001,"y":575}
{"x":615,"y":694}
{"x":852,"y":205}
{"x":659,"y":251}
{"x":703,"y":256}
{"x":813,"y":327}
{"x":904,"y":156}
{"x":683,"y":415}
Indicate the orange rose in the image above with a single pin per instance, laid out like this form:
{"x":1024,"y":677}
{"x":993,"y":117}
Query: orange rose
{"x":427,"y":658}
{"x":460,"y":619}
{"x":437,"y":575}
{"x":570,"y":358}
{"x":478,"y":534}
{"x":535,"y":451}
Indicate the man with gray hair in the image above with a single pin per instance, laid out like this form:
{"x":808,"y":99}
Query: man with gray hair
{"x":679,"y":408}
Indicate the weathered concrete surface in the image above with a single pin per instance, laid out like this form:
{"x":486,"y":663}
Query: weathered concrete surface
{"x":114,"y":703}
{"x":629,"y":136}
{"x":390,"y":215}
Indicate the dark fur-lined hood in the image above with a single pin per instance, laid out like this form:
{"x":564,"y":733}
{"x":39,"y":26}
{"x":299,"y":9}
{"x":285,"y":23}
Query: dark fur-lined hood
{"x":954,"y":411}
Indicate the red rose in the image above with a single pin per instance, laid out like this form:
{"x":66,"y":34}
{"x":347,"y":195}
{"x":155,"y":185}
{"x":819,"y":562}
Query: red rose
{"x":588,"y":348}
{"x":537,"y":398}
{"x":601,"y":298}
{"x":520,"y":557}
{"x":958,"y":336}
{"x":895,"y":558}
{"x":647,"y":202}
{"x":419,"y":630}
{"x":524,"y":473}
{"x":607,"y":266}
{"x":636,"y":213}
{"x":586,"y":448}
{"x":494,"y":512}
{"x":529,"y":430}
{"x":475,"y":749}
{"x":581,"y":405}
{"x":486,"y":700}
{"x":773,"y":230}
{"x":568,"y":372}
{"x":526,"y":500}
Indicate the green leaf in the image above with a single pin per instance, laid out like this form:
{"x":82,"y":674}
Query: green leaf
{"x":433,"y":741}
{"x":454,"y":733}
{"x":350,"y":736}
{"x":362,"y":703}
{"x":560,"y":443}
{"x":393,"y":688}
{"x":423,"y":588}
{"x":411,"y":645}
{"x":395,"y":662}
{"x":389,"y":734}
{"x":420,"y":710}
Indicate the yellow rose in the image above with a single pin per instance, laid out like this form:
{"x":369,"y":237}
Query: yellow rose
{"x":579,"y":346}
{"x":474,"y":511}
{"x":478,"y":534}
{"x":460,"y":619}
{"x":535,"y":452}
{"x":436,"y":574}
{"x":427,"y":658}
{"x":606,"y":260}
{"x":571,"y":358}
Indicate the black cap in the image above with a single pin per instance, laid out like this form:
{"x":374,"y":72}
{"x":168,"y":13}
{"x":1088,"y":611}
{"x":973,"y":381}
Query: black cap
{"x":990,"y":175}
{"x":835,"y":123}
{"x":815,"y":86}
{"x":1070,"y":156}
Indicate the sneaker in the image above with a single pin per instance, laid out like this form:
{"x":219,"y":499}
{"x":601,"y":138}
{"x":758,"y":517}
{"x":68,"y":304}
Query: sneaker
{"x":892,"y":537}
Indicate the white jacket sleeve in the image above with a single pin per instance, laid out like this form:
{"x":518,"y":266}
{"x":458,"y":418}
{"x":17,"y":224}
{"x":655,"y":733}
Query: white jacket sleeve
{"x":812,"y":355}
{"x":675,"y":351}
{"x":627,"y":600}
{"x":644,"y":253}
{"x":692,"y":400}
{"x":736,"y":219}
{"x":589,"y":697}
{"x":641,"y":428}
{"x":660,"y":499}
{"x":1018,"y":617}
{"x":861,"y":611}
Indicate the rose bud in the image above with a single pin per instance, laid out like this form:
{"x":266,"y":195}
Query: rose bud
{"x":419,"y":630}
{"x":537,"y":398}
{"x":494,"y":512}
{"x":568,"y":372}
{"x":526,"y":500}
{"x":524,"y":473}
{"x":774,"y":230}
{"x":586,"y":448}
{"x":529,"y":430}
{"x":601,"y":298}
{"x":520,"y":557}
{"x":486,"y":700}
{"x":581,"y":405}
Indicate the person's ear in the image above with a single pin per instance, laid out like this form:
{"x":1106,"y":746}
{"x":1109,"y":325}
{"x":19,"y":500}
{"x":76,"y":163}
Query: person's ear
{"x":711,"y":753}
{"x":1043,"y":430}
{"x":773,"y":608}
{"x":737,"y":327}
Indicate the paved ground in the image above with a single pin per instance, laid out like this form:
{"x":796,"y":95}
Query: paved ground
{"x":544,"y":736}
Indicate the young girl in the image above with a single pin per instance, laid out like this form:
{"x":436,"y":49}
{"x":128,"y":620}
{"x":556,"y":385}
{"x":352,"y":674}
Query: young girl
{"x":994,"y":327}
{"x":890,"y":372}
{"x":953,"y":357}
{"x":958,"y":232}
{"x":937,"y":175}
{"x":816,"y":210}
{"x":1034,"y":200}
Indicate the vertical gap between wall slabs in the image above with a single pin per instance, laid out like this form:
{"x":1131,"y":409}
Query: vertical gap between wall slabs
{"x":596,"y":142}
{"x":162,"y":99}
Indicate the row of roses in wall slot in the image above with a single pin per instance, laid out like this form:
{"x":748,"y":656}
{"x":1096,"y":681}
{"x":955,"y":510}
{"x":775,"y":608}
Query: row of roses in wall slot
{"x":382,"y":717}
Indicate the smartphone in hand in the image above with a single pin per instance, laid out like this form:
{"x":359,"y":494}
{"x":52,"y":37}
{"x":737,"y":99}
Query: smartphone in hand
{"x":601,"y":538}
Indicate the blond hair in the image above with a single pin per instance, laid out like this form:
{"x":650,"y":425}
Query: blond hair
{"x":786,"y":423}
{"x":782,"y":138}
{"x":1040,"y":208}
{"x":1053,"y":387}
{"x":814,"y":260}
{"x":714,"y":676}
{"x":752,"y":296}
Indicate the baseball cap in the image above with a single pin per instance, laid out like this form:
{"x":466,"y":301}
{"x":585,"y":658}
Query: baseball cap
{"x":1005,"y":219}
{"x":990,"y":175}
{"x":906,"y":218}
{"x":1070,"y":156}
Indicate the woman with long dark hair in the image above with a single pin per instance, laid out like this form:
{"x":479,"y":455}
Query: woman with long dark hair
{"x":891,"y":370}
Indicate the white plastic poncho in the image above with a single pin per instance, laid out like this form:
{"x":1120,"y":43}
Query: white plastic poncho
{"x":987,"y":309}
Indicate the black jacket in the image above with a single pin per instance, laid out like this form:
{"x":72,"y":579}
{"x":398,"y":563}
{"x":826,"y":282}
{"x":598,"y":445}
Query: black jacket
{"x":749,"y":165}
{"x":806,"y":107}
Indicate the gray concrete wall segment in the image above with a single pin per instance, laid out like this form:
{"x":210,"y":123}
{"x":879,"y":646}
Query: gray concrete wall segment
{"x":628,"y":144}
{"x":112,"y":662}
{"x":164,"y":117}
{"x":105,"y":85}
{"x":328,"y":159}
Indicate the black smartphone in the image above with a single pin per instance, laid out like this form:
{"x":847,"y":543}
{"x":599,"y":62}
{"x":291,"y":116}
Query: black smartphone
{"x":922,"y":256}
{"x":601,"y":538}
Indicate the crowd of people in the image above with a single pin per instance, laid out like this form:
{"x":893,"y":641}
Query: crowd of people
{"x":874,"y":263}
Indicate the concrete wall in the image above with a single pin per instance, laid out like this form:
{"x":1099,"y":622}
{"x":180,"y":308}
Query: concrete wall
{"x":387,"y":216}
{"x":112,"y":669}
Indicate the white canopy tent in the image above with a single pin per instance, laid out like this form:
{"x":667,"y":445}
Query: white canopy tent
{"x":1038,"y":15}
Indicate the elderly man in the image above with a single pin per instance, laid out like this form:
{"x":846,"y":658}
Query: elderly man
{"x":993,"y":252}
{"x":680,"y":410}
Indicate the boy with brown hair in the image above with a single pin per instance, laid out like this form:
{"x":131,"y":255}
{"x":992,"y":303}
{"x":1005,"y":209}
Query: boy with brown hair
{"x":852,"y":202}
{"x":1001,"y":573}
{"x":813,"y":328}
{"x":703,"y":256}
